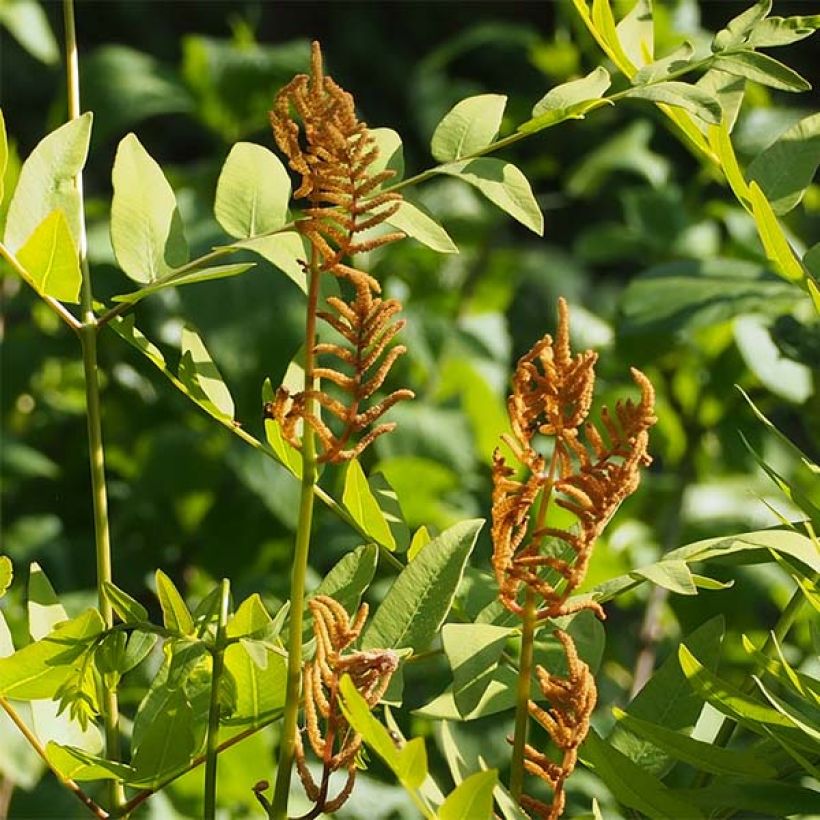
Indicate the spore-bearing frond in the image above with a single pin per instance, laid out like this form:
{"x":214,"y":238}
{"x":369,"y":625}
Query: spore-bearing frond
{"x":333,"y":152}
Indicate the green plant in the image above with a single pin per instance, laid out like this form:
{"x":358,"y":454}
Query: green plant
{"x":225,"y":672}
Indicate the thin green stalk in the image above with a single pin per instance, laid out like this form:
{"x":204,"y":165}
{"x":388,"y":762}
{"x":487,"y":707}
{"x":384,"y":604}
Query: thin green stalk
{"x":213,"y":713}
{"x":522,"y":697}
{"x":88,"y":340}
{"x":279,"y":807}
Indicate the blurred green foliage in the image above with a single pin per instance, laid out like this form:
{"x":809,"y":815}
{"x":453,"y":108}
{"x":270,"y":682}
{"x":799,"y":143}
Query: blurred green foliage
{"x":662,"y":267}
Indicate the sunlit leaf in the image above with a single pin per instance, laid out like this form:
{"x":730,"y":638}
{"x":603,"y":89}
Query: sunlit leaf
{"x":472,"y":798}
{"x":362,"y":505}
{"x":4,"y":153}
{"x":738,"y":28}
{"x":569,"y":100}
{"x":200,"y":375}
{"x":415,"y":222}
{"x":752,"y":65}
{"x":672,"y":575}
{"x":76,"y":764}
{"x":175,"y":614}
{"x":636,"y":33}
{"x":129,"y":610}
{"x":6,"y":574}
{"x":177,"y":280}
{"x":469,"y":126}
{"x":691,"y":98}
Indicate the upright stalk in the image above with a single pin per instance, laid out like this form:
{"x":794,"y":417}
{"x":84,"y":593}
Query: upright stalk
{"x":212,"y":752}
{"x":88,"y":340}
{"x":279,"y":807}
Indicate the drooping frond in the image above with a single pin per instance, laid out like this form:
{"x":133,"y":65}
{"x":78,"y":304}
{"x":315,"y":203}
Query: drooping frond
{"x":333,"y":152}
{"x":332,"y":740}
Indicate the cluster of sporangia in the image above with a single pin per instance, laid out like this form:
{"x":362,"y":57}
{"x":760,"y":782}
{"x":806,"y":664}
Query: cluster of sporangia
{"x":333,"y":152}
{"x":590,"y":477}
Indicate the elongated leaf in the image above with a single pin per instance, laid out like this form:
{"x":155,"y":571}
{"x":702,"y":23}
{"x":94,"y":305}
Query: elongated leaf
{"x":473,"y":798}
{"x":361,"y":504}
{"x":636,"y":33}
{"x":28,"y":23}
{"x":388,"y":501}
{"x":726,"y":698}
{"x":473,"y":652}
{"x":51,"y":261}
{"x":752,"y":65}
{"x":199,"y":373}
{"x":46,"y":183}
{"x":285,"y":251}
{"x":38,"y":670}
{"x":4,"y":153}
{"x":780,"y":31}
{"x":768,"y":798}
{"x":672,"y":575}
{"x":76,"y":764}
{"x":6,"y":574}
{"x":252,"y":193}
{"x":799,"y":719}
{"x":603,"y":21}
{"x":568,"y":100}
{"x":738,"y":28}
{"x":504,"y":185}
{"x":129,"y":610}
{"x":630,"y":784}
{"x":146,"y":228}
{"x":421,"y":538}
{"x":469,"y":126}
{"x":391,"y":154}
{"x":45,"y":611}
{"x":175,"y":614}
{"x":681,"y":95}
{"x":703,"y":756}
{"x":176,"y":281}
{"x":416,"y":222}
{"x":785,"y":169}
{"x":137,"y":649}
{"x":420,"y":598}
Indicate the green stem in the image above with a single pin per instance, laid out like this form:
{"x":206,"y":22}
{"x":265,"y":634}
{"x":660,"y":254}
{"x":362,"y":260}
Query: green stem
{"x":279,"y":806}
{"x":522,"y":697}
{"x":213,"y":712}
{"x":88,"y":340}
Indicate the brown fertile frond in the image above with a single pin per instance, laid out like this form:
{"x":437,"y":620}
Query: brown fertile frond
{"x":336,"y":746}
{"x":333,"y":152}
{"x":572,"y":701}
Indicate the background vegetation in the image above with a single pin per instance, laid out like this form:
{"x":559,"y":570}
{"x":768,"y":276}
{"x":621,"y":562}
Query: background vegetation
{"x":652,"y":252}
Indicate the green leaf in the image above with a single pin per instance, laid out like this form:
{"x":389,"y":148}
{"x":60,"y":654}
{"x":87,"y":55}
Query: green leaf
{"x":786,"y":168}
{"x":420,"y":598}
{"x":285,"y":452}
{"x":704,"y":756}
{"x":504,"y":185}
{"x":469,"y":126}
{"x":737,"y":29}
{"x":167,"y":743}
{"x":45,"y":611}
{"x":38,"y":670}
{"x":174,"y":280}
{"x":780,"y":31}
{"x":252,"y":193}
{"x":175,"y":614}
{"x":725,"y":698}
{"x":678,"y":60}
{"x":798,"y":718}
{"x":363,"y":507}
{"x":571,"y":100}
{"x":27,"y":22}
{"x":6,"y":574}
{"x":125,"y":328}
{"x":78,"y":765}
{"x":4,"y":153}
{"x":636,"y":33}
{"x":146,"y":228}
{"x":752,"y":65}
{"x":137,"y":649}
{"x":473,"y":652}
{"x":499,"y":696}
{"x":603,"y":21}
{"x":388,"y":501}
{"x":46,"y":183}
{"x":769,"y":798}
{"x":728,"y":90}
{"x":391,"y":154}
{"x":416,"y":222}
{"x":471,"y":799}
{"x":285,"y":251}
{"x":51,"y":261}
{"x":129,"y":610}
{"x":681,"y":95}
{"x":672,"y":575}
{"x":200,"y":375}
{"x":421,"y":538}
{"x":630,"y":784}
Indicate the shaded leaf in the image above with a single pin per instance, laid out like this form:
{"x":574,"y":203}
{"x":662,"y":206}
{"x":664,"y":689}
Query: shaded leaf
{"x":199,"y":374}
{"x":636,"y":33}
{"x":175,"y":280}
{"x":27,"y":22}
{"x":691,"y":98}
{"x":76,"y":764}
{"x":752,"y":65}
{"x":129,"y":610}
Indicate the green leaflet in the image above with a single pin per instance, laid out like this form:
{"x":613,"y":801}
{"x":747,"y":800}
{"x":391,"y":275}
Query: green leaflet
{"x":350,"y":577}
{"x":473,"y":652}
{"x":286,"y":453}
{"x":417,"y":223}
{"x":45,"y":612}
{"x":420,"y":598}
{"x":469,"y":126}
{"x":571,"y":100}
{"x":798,"y":718}
{"x":672,"y":575}
{"x":201,"y":377}
{"x":391,"y":155}
{"x":76,"y":764}
{"x":636,"y":33}
{"x":28,"y":23}
{"x":252,"y":193}
{"x":50,"y":259}
{"x":786,"y":168}
{"x":6,"y":574}
{"x":760,"y":68}
{"x":175,"y":614}
{"x":46,"y":183}
{"x":146,"y":228}
{"x":473,"y":798}
{"x":660,"y":69}
{"x":363,"y":507}
{"x":284,"y":251}
{"x":689,"y":97}
{"x":175,"y":280}
{"x":697,"y":753}
{"x":38,"y":670}
{"x":4,"y":153}
{"x":503,"y":184}
{"x":129,"y":610}
{"x":630,"y":784}
{"x":260,"y":687}
{"x":388,"y":501}
{"x":421,"y":538}
{"x":767,"y":798}
{"x":738,"y":28}
{"x":780,"y":31}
